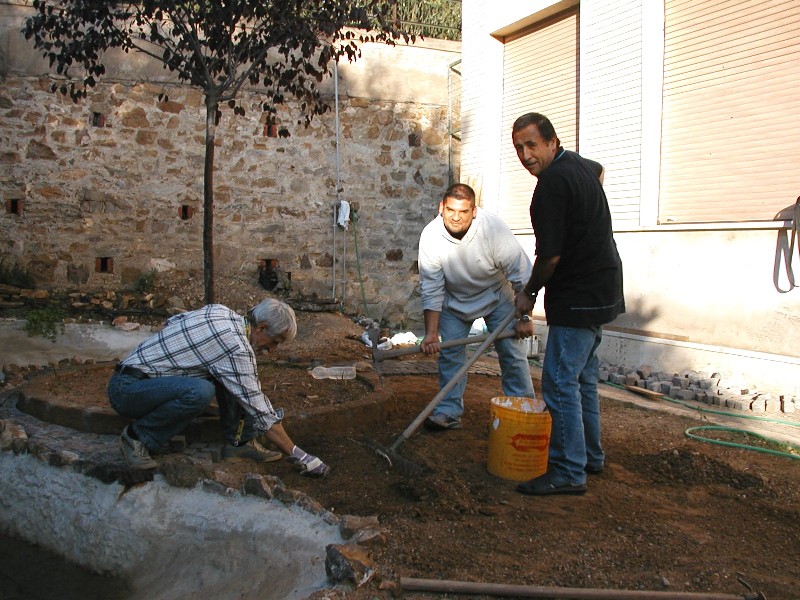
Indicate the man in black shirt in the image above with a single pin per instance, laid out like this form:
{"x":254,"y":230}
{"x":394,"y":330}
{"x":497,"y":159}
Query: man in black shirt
{"x":578,"y":265}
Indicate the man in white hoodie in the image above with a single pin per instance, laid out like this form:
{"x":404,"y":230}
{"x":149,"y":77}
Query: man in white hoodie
{"x":470,"y":266}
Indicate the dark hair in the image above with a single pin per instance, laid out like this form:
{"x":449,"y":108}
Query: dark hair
{"x":543,"y":124}
{"x":459,"y":191}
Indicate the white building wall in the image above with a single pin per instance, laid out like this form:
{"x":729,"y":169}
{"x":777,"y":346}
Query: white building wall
{"x":704,"y":297}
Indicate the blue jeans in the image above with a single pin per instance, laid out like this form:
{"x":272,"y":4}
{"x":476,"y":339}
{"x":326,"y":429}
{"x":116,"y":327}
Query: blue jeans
{"x":161,"y":407}
{"x":569,"y":388}
{"x":232,"y":416}
{"x":510,"y":351}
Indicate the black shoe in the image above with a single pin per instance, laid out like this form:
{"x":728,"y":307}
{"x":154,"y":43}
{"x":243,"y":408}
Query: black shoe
{"x":592,"y":470}
{"x":549,"y":484}
{"x":441,"y":422}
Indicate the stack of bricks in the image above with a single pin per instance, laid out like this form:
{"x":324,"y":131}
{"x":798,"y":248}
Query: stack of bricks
{"x":712,"y":389}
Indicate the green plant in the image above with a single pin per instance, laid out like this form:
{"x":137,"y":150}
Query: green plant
{"x":47,"y":322}
{"x":431,"y":18}
{"x":145,"y":281}
{"x":16,"y":276}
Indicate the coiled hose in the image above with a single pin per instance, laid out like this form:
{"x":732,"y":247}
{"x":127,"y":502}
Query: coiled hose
{"x":690,"y":432}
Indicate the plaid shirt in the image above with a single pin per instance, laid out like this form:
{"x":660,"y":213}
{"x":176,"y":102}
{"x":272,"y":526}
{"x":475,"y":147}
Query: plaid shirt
{"x":208,"y":342}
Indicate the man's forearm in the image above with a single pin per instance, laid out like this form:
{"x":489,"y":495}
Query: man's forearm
{"x":543,"y":269}
{"x":431,"y":322}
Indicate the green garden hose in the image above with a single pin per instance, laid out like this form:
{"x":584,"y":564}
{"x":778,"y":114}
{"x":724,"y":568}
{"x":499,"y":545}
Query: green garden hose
{"x":689,"y":431}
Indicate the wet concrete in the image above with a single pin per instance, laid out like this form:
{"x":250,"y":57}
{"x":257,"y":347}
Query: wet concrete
{"x":29,"y":572}
{"x":70,"y":493}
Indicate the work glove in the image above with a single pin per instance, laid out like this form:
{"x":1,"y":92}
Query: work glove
{"x":308,"y":464}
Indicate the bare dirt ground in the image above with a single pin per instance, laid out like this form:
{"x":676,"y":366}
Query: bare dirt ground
{"x":668,"y":513}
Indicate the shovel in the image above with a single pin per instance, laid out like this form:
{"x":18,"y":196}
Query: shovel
{"x":390,"y":453}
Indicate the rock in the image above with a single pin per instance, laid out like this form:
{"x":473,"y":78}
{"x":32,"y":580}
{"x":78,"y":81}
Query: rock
{"x":176,"y":302}
{"x":369,"y":537}
{"x":182,"y":473}
{"x":255,"y":485}
{"x":13,"y":437}
{"x":345,"y":562}
{"x":10,"y":290}
{"x":217,"y":488}
{"x":63,"y":458}
{"x":351,"y":524}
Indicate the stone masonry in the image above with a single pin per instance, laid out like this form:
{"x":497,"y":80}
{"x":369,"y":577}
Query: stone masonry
{"x":98,"y":192}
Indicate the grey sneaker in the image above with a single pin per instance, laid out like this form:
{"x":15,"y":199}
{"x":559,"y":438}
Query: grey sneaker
{"x":441,"y":421}
{"x":135,"y":452}
{"x":250,"y":450}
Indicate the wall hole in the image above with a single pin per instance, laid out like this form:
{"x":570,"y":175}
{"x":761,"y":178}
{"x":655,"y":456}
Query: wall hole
{"x":268,"y":273}
{"x":185,"y":212}
{"x":14,"y":206}
{"x":104,"y":264}
{"x":98,"y":120}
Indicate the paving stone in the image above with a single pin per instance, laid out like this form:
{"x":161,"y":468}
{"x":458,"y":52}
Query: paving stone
{"x":617,"y":378}
{"x":737,"y":403}
{"x":654,"y":386}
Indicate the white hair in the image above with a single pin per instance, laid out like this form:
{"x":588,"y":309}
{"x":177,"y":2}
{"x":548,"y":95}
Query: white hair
{"x":278,"y":316}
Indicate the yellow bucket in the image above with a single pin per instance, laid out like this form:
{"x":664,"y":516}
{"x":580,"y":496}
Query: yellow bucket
{"x":518,"y":439}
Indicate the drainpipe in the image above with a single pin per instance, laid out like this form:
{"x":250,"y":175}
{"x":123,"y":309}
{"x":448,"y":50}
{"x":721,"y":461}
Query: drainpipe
{"x":337,"y":205}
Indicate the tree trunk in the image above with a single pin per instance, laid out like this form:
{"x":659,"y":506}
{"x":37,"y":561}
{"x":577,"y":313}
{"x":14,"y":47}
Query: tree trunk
{"x":208,"y":202}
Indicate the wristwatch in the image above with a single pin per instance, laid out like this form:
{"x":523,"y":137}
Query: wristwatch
{"x":525,"y":318}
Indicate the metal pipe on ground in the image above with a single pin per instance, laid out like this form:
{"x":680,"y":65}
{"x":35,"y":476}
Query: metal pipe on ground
{"x":559,"y":593}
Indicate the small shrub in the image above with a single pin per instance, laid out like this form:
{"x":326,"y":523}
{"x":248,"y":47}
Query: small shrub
{"x":16,"y":276}
{"x":145,"y":281}
{"x":47,"y":322}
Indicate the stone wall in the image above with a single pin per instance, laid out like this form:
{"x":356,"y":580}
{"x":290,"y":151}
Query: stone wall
{"x":98,"y":192}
